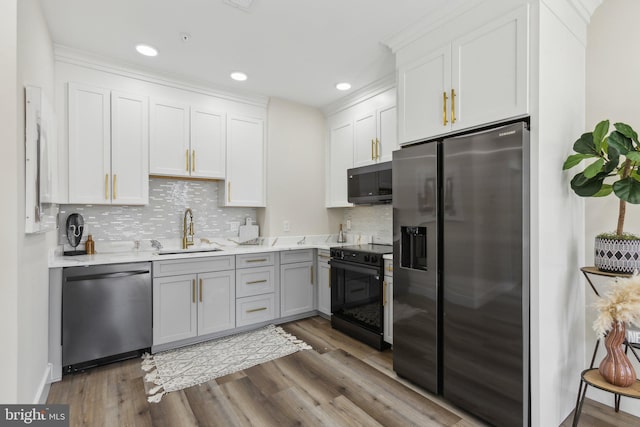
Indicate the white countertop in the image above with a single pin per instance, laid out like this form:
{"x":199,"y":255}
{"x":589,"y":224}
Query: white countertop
{"x":112,"y":256}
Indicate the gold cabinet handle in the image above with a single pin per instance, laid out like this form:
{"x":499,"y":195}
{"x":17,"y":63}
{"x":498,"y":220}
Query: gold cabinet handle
{"x":257,"y":260}
{"x":329,"y":278}
{"x":114,"y":186}
{"x":229,"y":191}
{"x":389,"y":268}
{"x":453,"y":106}
{"x":193,"y":160}
{"x":372,"y":150}
{"x":106,"y":187}
{"x":255,"y":282}
{"x":324,"y":256}
{"x":444,"y":108}
{"x":384,"y":292}
{"x":200,"y":290}
{"x":193,"y":290}
{"x":253,"y":310}
{"x":312,"y":274}
{"x":377,"y":149}
{"x":186,"y":161}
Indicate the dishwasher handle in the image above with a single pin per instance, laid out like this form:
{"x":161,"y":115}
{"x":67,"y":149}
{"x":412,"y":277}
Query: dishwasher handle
{"x":107,"y":275}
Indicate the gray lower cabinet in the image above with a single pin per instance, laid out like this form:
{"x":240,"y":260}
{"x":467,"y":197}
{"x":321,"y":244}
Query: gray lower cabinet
{"x":297,"y":282}
{"x":324,"y":283}
{"x":191,"y":305}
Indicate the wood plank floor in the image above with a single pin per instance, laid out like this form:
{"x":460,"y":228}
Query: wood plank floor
{"x":342,"y":382}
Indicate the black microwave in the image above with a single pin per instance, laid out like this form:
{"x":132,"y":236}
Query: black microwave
{"x":369,"y":185}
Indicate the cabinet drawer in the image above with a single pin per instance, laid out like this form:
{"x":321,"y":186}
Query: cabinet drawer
{"x":255,"y":260}
{"x":255,"y":281}
{"x":256,"y":309}
{"x":189,"y":266}
{"x":289,"y":257}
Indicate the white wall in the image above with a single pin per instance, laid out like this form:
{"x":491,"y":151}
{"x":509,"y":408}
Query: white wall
{"x":613,"y":92}
{"x":295,"y":172}
{"x":557,"y":221}
{"x":9,"y":195}
{"x":35,"y":67}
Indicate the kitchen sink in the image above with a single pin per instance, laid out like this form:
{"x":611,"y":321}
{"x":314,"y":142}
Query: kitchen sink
{"x":186,"y":251}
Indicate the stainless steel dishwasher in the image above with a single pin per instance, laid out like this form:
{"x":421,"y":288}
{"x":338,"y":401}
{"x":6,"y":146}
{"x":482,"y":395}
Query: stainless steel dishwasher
{"x":106,"y":313}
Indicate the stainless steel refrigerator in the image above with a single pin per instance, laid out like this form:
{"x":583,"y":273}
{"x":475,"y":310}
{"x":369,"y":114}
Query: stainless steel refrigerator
{"x":461,"y":278}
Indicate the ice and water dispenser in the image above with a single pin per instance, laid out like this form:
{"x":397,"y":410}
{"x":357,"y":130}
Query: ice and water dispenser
{"x":413,"y":250}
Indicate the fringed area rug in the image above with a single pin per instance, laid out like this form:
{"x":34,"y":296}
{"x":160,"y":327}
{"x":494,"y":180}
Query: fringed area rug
{"x":188,"y":366}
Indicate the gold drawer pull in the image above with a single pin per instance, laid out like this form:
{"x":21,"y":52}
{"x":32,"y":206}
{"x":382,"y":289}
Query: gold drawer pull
{"x":312,"y":274}
{"x":193,"y":160}
{"x":389,"y":268}
{"x":253,"y":282}
{"x":114,"y":186}
{"x":377,"y":149}
{"x":257,"y":260}
{"x":372,"y":150}
{"x":193,"y":290}
{"x":253,"y":310}
{"x":324,"y":256}
{"x":444,"y":108}
{"x":187,"y":160}
{"x":200,"y":290}
{"x":453,"y":105}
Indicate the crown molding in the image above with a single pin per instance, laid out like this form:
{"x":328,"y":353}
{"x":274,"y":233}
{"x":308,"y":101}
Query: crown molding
{"x":97,"y":62}
{"x":428,"y":23}
{"x":585,"y":8}
{"x":360,"y":95}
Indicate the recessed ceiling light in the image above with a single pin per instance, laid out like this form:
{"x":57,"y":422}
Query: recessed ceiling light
{"x":238,"y":76}
{"x":146,"y":50}
{"x":343,"y":86}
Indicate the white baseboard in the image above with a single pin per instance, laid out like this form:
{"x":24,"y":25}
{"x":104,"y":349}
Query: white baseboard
{"x":43,"y":389}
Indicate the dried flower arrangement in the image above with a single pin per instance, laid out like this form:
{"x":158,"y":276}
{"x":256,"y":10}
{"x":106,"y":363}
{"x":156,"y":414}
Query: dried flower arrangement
{"x":620,"y":304}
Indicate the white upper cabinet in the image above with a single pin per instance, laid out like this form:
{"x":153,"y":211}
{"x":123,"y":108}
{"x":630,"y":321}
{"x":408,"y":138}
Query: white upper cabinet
{"x":108,"y":146}
{"x":364,"y":144}
{"x":245,"y":153}
{"x":129,"y":149}
{"x":187,"y":141}
{"x":340,"y":159}
{"x":423,"y":88}
{"x":474,"y":79}
{"x":375,"y":136}
{"x":169,"y":146}
{"x":208,"y":130}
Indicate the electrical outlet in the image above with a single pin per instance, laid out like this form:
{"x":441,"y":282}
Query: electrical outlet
{"x":286,"y":226}
{"x":234,"y":225}
{"x":348,"y":224}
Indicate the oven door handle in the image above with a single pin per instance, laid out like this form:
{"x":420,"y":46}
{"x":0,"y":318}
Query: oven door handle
{"x":354,"y":267}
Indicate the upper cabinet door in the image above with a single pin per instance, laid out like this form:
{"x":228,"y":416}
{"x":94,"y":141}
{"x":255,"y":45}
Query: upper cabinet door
{"x":489,"y":69}
{"x":387,"y":132}
{"x":340,"y":159}
{"x":129,"y":149}
{"x":89,"y":145}
{"x":245,"y":185}
{"x":208,"y":137}
{"x":364,"y":143}
{"x":423,"y":86}
{"x":169,"y":145}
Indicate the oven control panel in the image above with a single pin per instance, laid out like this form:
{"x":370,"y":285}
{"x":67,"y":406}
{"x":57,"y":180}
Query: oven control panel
{"x":356,"y":256}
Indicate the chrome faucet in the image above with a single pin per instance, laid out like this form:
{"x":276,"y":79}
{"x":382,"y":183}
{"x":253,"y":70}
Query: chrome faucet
{"x":187,"y":233}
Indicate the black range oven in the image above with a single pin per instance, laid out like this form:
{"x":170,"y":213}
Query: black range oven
{"x":357,"y":273}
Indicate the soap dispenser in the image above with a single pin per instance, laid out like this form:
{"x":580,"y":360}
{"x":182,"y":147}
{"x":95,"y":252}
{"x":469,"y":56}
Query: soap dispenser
{"x":89,"y":245}
{"x":341,"y":238}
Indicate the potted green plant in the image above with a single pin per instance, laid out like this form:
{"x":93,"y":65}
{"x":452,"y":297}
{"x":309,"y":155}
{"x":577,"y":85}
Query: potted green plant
{"x":614,"y":170}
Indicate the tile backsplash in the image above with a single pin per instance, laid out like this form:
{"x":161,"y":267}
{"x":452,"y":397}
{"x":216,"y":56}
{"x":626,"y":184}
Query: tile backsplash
{"x":162,"y":217}
{"x":375,"y":220}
